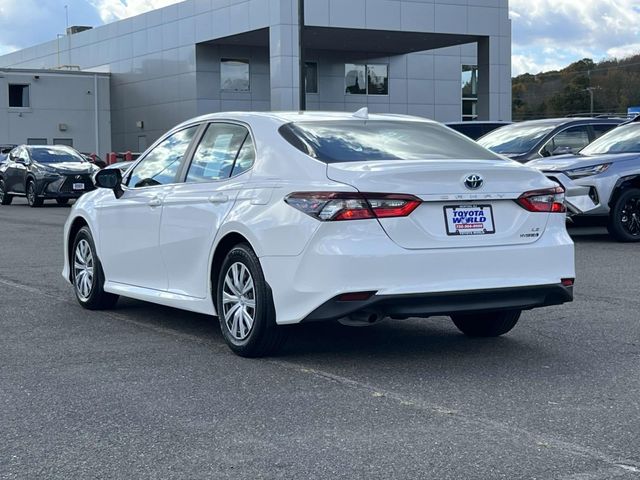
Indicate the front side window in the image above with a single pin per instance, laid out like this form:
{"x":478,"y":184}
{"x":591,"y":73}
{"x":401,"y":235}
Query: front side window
{"x":161,"y":164}
{"x":567,"y":141}
{"x":217,"y":152}
{"x":367,"y":141}
{"x":19,"y":96}
{"x":234,"y":75}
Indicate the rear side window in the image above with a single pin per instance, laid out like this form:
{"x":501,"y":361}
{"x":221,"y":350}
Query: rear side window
{"x":217,"y":152}
{"x":336,"y":141}
{"x":600,"y":129}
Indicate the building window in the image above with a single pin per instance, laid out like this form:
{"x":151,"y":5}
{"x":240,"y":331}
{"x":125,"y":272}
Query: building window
{"x":63,"y":141}
{"x":469,"y":92}
{"x":19,"y":96}
{"x":311,"y":77}
{"x":366,"y":79}
{"x":36,"y":141}
{"x":377,"y":80}
{"x":234,"y":75}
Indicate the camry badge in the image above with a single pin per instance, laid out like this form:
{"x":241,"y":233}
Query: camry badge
{"x":473,"y":181}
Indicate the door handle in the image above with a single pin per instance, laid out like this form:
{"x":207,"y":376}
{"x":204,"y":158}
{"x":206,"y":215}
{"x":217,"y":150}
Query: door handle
{"x":155,"y":202}
{"x":219,"y":198}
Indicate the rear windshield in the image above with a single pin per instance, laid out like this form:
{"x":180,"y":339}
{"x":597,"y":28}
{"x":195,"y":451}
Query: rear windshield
{"x":336,"y":141}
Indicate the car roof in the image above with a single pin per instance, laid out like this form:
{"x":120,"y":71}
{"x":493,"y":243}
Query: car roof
{"x":293,"y":116}
{"x":567,"y":120}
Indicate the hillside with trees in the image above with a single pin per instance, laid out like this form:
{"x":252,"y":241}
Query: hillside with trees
{"x":615,"y":85}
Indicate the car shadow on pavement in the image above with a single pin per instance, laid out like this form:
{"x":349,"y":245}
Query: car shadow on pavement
{"x":434,"y":339}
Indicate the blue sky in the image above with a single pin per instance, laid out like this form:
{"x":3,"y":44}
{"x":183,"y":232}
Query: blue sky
{"x":547,"y":34}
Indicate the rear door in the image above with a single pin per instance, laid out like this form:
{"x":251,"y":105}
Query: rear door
{"x":194,"y":210}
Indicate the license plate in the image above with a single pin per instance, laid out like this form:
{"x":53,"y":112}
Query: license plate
{"x":469,"y":220}
{"x":78,"y":186}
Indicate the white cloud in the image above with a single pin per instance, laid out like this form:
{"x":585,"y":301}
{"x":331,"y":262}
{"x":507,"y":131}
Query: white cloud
{"x":550,"y":34}
{"x":111,"y":10}
{"x":624,"y":50}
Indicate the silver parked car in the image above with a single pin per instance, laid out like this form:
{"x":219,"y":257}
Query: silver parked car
{"x":603,"y":180}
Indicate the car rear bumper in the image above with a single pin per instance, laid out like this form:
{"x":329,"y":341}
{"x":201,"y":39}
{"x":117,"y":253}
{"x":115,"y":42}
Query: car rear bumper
{"x":360,"y":257}
{"x":446,"y":303}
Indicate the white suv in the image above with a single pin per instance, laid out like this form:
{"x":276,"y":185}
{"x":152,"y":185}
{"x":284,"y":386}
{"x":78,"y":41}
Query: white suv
{"x":269,"y":219}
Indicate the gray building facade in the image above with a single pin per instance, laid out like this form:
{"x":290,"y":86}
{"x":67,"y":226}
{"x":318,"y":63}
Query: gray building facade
{"x":56,"y":107}
{"x":442,"y":59}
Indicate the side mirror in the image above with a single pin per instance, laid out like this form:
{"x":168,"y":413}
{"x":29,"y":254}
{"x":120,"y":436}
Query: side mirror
{"x":110,"y":178}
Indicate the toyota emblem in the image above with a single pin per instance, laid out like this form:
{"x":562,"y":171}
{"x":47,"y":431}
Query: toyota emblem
{"x":473,"y":181}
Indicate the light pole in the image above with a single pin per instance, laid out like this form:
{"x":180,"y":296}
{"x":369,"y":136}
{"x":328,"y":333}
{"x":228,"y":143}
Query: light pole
{"x":302,"y":88}
{"x":591,"y":90}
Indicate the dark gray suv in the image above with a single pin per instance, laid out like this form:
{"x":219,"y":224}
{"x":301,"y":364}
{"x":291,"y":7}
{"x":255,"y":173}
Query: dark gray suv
{"x":526,"y":141}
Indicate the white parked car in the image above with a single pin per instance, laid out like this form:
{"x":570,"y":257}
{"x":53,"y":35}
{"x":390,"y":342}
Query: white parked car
{"x":271,"y":219}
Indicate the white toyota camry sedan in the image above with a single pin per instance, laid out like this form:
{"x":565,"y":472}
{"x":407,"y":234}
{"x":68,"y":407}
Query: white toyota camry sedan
{"x":270,"y":219}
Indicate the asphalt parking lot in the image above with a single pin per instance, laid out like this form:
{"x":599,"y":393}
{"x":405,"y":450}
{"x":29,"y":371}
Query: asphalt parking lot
{"x":150,"y":392}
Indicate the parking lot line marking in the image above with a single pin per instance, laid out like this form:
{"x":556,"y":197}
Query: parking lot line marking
{"x":405,"y":401}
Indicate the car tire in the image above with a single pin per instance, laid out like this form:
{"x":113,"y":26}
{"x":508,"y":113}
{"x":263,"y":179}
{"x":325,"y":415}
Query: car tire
{"x":32,"y":198}
{"x":5,"y":198}
{"x":62,"y":201}
{"x":246,"y":311}
{"x":90,"y":293}
{"x":486,"y":324}
{"x":624,"y":219}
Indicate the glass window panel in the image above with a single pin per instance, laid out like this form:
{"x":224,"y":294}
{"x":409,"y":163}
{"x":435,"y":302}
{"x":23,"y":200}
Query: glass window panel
{"x":160,"y":166}
{"x":355,"y":79}
{"x":574,"y":138}
{"x":246,"y":157}
{"x":378,"y":80}
{"x":19,"y":96}
{"x":311,"y":77}
{"x":369,"y":141}
{"x":216,"y":152}
{"x":469,"y":81}
{"x":234,"y":75}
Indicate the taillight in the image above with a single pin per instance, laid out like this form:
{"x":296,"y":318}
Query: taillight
{"x":550,"y":200}
{"x":336,"y":206}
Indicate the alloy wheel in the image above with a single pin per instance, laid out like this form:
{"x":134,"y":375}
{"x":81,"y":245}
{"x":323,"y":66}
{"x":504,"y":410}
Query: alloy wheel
{"x":238,"y":301}
{"x":31,"y":194}
{"x":83,"y":270}
{"x":630,"y":216}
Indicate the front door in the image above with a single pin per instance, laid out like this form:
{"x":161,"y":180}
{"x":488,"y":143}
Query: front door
{"x":16,"y":173}
{"x":130,"y":225}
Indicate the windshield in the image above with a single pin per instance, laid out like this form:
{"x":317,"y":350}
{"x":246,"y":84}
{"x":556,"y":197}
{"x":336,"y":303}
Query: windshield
{"x":517,"y":138}
{"x":54,"y":155}
{"x":357,"y":141}
{"x":624,"y":139}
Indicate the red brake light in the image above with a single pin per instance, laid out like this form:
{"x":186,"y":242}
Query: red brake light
{"x":550,"y":200}
{"x":336,"y":206}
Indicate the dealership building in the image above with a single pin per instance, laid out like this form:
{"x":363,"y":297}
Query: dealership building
{"x":121,"y":85}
